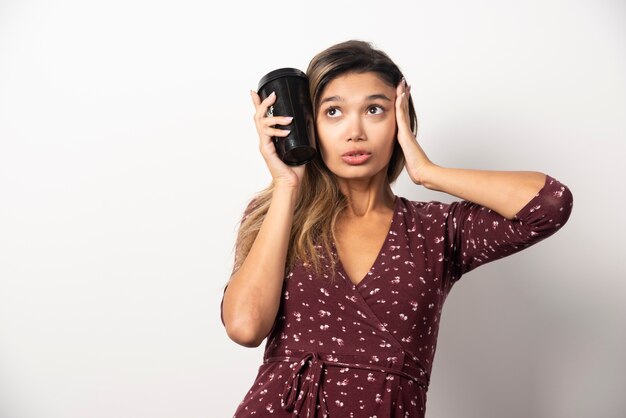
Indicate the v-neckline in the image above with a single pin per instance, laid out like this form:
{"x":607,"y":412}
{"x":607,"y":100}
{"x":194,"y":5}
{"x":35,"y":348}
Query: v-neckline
{"x":363,"y":279}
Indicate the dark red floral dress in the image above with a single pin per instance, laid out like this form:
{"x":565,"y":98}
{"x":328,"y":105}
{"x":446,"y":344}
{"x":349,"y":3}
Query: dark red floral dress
{"x":341,"y":350}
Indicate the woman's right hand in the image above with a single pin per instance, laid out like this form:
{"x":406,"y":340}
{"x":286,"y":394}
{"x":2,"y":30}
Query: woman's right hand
{"x":281,"y":172}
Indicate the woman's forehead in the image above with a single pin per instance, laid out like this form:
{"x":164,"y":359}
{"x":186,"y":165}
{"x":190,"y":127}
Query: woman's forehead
{"x":355,"y":85}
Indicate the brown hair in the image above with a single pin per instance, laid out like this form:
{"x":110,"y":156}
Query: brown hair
{"x":318,"y":207}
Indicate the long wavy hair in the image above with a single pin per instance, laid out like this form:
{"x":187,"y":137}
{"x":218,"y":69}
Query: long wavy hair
{"x":320,"y":200}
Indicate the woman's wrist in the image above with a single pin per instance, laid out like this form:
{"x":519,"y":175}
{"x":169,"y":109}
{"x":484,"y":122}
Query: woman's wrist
{"x":417,"y":162}
{"x":286,"y":191}
{"x":428,"y":174}
{"x":423,"y":175}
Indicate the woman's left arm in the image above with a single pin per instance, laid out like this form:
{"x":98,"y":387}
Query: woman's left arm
{"x":505,"y":192}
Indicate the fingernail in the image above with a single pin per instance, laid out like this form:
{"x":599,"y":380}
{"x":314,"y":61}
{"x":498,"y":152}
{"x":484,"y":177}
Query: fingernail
{"x":272,"y":94}
{"x":289,"y":118}
{"x":404,"y":81}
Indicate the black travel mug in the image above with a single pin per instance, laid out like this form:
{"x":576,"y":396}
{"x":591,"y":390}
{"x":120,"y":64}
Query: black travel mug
{"x":292,"y":99}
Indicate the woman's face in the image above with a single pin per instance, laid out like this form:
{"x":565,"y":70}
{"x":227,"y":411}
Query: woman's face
{"x":356,"y":125}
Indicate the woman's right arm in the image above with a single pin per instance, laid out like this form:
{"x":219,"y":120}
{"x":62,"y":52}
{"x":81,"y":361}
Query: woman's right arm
{"x":252,"y":297}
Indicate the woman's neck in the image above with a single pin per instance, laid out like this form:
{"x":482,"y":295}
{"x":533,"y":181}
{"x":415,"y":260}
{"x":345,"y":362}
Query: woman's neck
{"x":367,"y":196}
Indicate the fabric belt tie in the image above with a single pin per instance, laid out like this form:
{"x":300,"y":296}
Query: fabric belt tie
{"x":302,"y":391}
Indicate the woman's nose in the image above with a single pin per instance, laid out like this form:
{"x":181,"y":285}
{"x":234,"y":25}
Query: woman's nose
{"x":355,"y":130}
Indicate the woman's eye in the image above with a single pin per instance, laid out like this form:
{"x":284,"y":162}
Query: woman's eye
{"x":375,"y":110}
{"x":333,"y":112}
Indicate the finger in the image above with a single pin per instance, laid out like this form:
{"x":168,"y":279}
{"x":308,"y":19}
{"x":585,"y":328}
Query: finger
{"x":276,"y":120}
{"x":402,"y":100}
{"x":255,"y":98}
{"x":403,"y":87}
{"x":400,"y":88}
{"x":261,"y":109}
{"x":404,"y":92}
{"x":402,"y":108}
{"x":269,"y":131}
{"x":269,"y":99}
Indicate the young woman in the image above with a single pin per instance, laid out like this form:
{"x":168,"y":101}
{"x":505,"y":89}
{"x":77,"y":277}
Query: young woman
{"x":345,"y":279}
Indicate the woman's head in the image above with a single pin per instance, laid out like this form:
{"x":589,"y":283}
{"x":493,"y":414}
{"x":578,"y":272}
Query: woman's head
{"x":339,"y":62}
{"x":340,"y":70}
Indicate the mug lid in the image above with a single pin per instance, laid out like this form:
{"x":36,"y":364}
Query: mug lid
{"x":281,"y":72}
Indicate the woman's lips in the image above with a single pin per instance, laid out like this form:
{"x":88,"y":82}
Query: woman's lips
{"x":355,"y":159}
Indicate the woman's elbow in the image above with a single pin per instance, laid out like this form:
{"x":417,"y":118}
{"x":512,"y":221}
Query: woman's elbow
{"x":559,"y":207}
{"x":244,"y":332}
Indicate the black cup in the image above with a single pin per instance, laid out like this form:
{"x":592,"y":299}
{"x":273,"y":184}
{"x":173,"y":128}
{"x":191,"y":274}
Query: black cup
{"x":292,"y":99}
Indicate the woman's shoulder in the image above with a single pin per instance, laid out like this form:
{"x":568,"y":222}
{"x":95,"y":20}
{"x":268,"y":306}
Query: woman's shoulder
{"x":426,"y":207}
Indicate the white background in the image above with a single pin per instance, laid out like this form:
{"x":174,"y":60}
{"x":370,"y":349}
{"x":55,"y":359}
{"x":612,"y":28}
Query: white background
{"x":128,"y":153}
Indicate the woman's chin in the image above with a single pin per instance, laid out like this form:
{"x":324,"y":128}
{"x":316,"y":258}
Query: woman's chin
{"x":357,"y":172}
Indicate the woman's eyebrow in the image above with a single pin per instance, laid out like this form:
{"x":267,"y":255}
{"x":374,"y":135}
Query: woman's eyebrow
{"x":340,"y":99}
{"x":378,"y":96}
{"x":331,"y":99}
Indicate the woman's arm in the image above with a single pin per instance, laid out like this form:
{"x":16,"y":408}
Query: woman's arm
{"x":477,"y":235}
{"x":501,"y":212}
{"x":252,"y":297}
{"x":505,"y":192}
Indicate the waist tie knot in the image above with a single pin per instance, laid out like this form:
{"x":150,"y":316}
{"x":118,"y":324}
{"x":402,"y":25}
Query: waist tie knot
{"x":304,"y":386}
{"x":303,"y":393}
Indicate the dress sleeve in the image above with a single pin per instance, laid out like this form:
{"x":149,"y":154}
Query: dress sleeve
{"x":478,"y":235}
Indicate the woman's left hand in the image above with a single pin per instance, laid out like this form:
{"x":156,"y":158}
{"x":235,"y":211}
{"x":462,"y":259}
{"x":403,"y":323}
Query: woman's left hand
{"x":416,"y":161}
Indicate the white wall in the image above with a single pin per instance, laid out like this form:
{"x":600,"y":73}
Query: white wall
{"x":128,"y":151}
